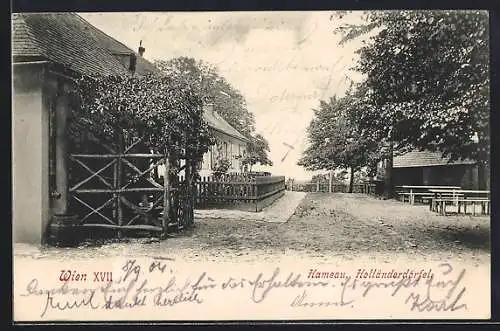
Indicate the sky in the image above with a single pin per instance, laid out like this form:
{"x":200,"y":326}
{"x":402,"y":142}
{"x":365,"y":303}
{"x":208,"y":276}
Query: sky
{"x":284,"y":63}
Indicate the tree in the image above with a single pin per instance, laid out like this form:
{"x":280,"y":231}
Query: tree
{"x":164,"y":110}
{"x":257,"y":150}
{"x":427,"y":81}
{"x":228,"y":102}
{"x":336,"y":141}
{"x":214,"y":88}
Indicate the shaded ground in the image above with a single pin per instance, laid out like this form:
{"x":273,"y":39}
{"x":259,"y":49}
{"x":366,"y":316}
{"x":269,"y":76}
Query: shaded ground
{"x":323,"y":225}
{"x":352,"y":222}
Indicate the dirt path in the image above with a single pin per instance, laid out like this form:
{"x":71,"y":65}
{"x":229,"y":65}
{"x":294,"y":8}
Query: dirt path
{"x":279,"y":211}
{"x":323,"y":226}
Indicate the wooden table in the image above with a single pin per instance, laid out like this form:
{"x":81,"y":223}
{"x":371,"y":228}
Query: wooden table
{"x":416,"y":190}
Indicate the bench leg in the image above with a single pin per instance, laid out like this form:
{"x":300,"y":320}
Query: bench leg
{"x":473,"y":209}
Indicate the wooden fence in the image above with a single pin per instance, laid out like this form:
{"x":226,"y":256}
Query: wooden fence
{"x":367,"y":188}
{"x":250,"y":193}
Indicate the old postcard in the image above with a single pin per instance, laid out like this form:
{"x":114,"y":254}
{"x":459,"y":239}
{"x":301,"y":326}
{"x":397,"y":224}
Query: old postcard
{"x":197,"y":166}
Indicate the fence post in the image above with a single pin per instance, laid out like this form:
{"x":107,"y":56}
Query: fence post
{"x":119,"y":175}
{"x":166,"y":193}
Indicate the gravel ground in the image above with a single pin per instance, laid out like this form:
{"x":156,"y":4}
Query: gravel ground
{"x":279,"y":211}
{"x":323,"y":226}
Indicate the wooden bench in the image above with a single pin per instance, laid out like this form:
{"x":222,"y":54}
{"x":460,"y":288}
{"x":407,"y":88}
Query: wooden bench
{"x":439,"y":205}
{"x":453,"y":198}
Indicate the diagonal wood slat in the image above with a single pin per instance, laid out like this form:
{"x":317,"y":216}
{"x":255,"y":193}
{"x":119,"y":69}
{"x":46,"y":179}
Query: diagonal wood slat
{"x":145,"y":172}
{"x":133,"y":145}
{"x":137,"y":170}
{"x":140,"y":212}
{"x":93,"y":173}
{"x":92,"y":176}
{"x":95,"y":210}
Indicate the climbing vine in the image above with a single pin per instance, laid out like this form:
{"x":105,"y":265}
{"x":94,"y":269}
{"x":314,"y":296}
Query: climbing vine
{"x":164,"y":110}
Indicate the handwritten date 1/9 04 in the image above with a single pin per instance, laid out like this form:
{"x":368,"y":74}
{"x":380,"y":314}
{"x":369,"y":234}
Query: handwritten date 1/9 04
{"x":74,"y":276}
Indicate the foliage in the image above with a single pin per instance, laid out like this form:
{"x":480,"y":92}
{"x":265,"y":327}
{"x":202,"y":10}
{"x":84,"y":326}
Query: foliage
{"x":325,"y":179}
{"x":257,"y":149}
{"x":221,"y":166}
{"x":214,"y":88}
{"x":165,"y":110}
{"x":427,"y":80}
{"x":227,"y":101}
{"x":363,"y":176}
{"x":335,"y":138}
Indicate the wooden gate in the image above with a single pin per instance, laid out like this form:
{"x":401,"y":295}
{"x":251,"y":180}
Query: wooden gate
{"x":118,"y":187}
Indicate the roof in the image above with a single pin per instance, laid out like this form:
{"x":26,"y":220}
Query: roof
{"x":69,"y":40}
{"x":424,"y":159}
{"x":216,"y":122}
{"x":143,"y":66}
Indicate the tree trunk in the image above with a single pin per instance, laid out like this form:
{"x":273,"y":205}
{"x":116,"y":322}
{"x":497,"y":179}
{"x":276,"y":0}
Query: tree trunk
{"x":330,"y":180}
{"x":483,"y":168}
{"x":388,"y":173}
{"x":351,"y":180}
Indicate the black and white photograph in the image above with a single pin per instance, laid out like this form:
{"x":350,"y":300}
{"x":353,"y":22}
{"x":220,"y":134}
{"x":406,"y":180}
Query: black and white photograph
{"x":251,"y":165}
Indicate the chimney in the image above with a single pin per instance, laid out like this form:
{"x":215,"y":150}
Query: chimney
{"x":141,"y":49}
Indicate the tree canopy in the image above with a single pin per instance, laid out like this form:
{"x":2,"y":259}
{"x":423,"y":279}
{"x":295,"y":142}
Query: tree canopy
{"x":214,"y":88}
{"x":427,"y":80}
{"x":227,"y":101}
{"x":336,"y":140}
{"x":257,"y":150}
{"x":164,"y":110}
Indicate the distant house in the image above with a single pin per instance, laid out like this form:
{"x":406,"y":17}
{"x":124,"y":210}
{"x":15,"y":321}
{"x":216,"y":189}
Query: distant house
{"x":49,"y":50}
{"x":230,"y":144}
{"x":430,"y":168}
